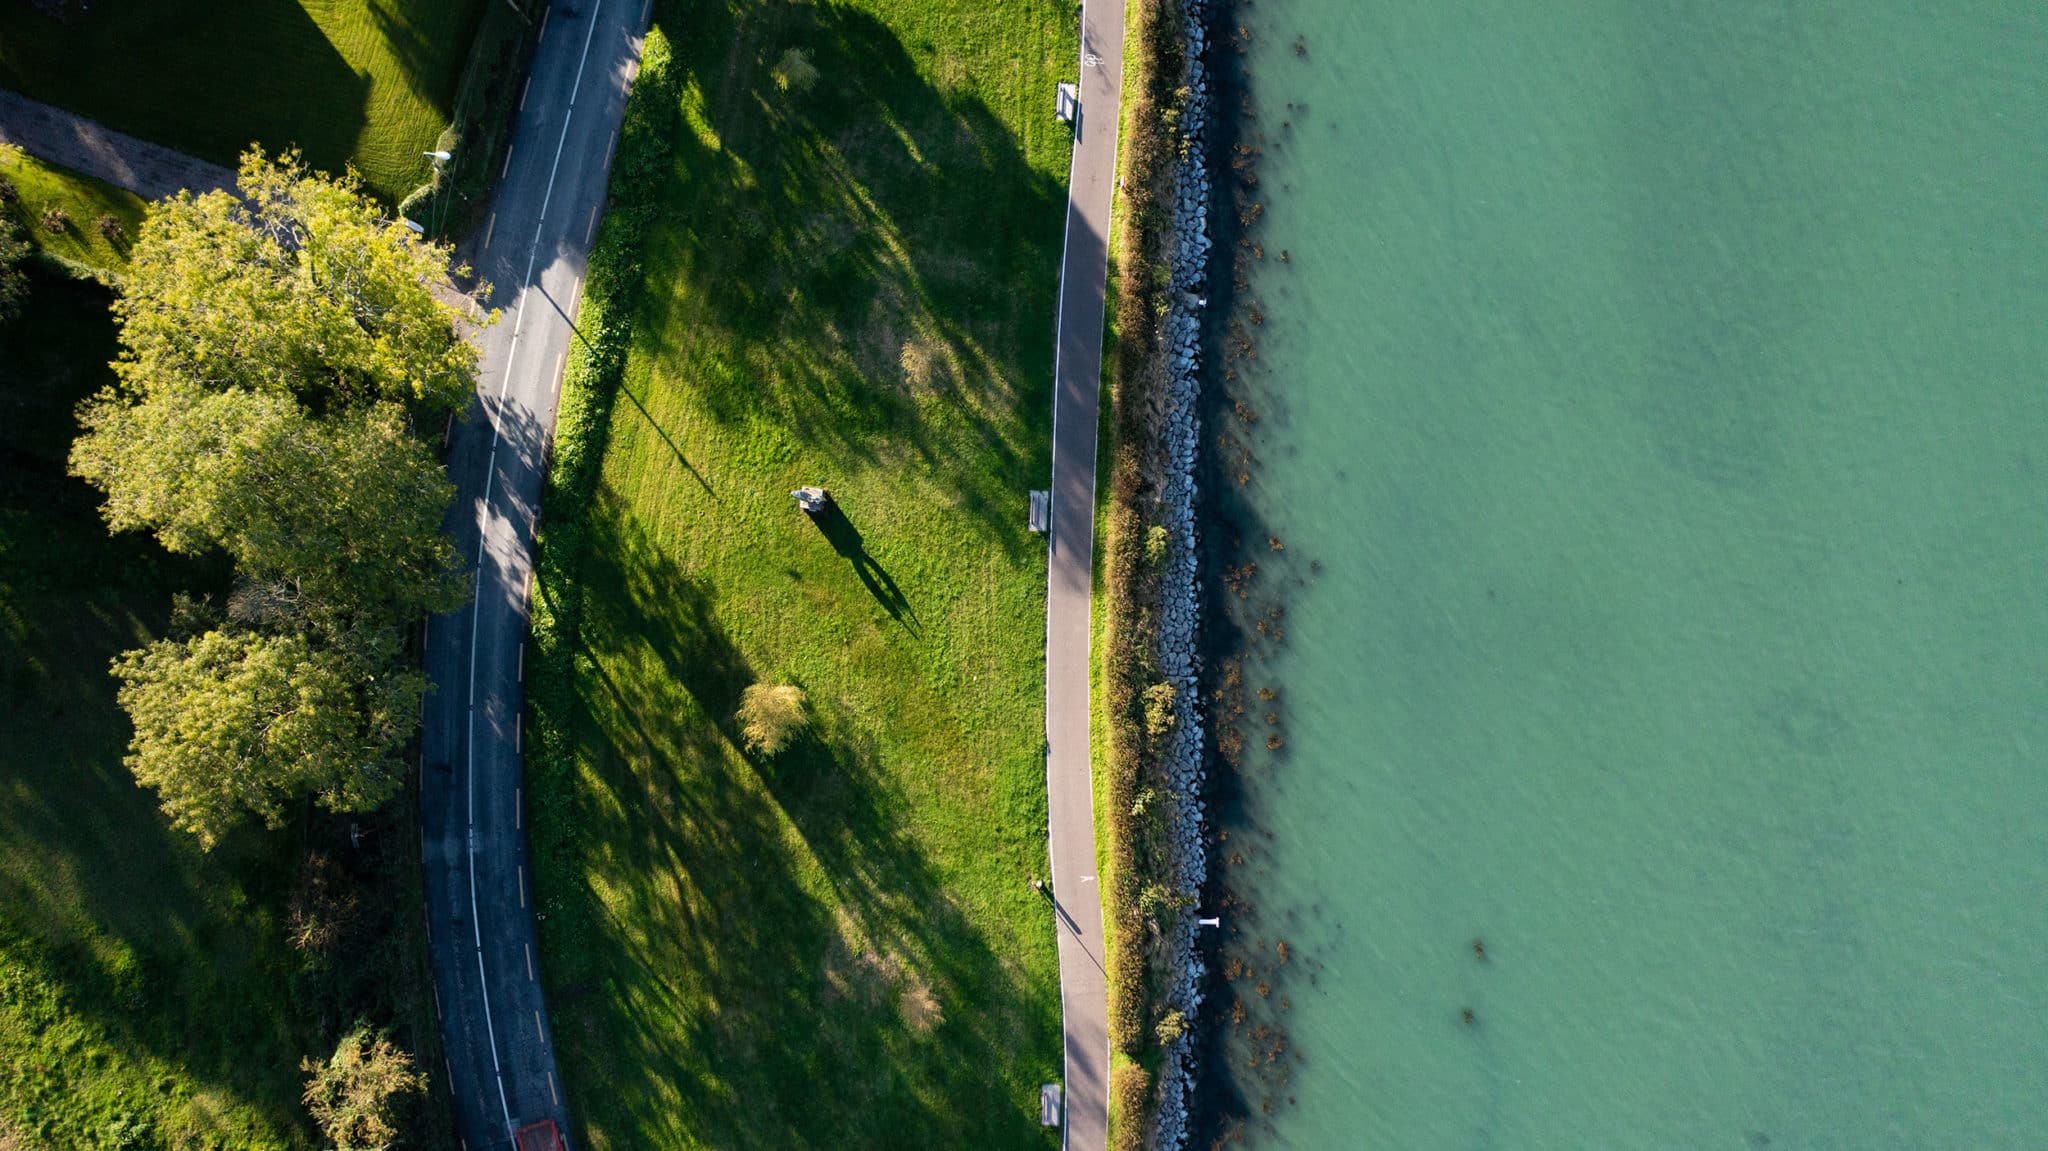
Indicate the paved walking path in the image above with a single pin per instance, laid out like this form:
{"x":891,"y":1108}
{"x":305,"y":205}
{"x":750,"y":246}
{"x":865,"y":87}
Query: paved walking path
{"x":151,"y":171}
{"x":480,"y":898}
{"x":1084,"y":273}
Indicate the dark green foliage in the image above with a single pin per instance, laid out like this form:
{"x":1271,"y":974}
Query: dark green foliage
{"x":148,"y":991}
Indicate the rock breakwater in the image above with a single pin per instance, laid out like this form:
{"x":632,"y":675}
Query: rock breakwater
{"x":1180,"y":611}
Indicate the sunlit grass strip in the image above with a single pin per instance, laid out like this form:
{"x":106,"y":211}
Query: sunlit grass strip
{"x":850,"y":284}
{"x":78,"y":242}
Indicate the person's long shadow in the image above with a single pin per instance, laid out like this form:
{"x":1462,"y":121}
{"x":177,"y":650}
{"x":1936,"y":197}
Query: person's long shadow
{"x":789,"y":895}
{"x":845,"y":539}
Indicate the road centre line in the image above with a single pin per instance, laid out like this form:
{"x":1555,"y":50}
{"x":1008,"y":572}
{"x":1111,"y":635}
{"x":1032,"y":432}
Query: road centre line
{"x":508,"y":162}
{"x":518,"y":807}
{"x":539,"y":1032}
{"x":575,"y":87}
{"x":613,"y":142}
{"x":524,"y":89}
{"x":551,"y":1092}
{"x":529,"y":963}
{"x":483,"y":532}
{"x":592,"y":229}
{"x":490,"y":227}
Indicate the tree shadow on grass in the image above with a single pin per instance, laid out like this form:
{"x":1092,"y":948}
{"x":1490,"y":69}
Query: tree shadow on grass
{"x":203,"y":78}
{"x":764,"y":957}
{"x":431,"y":41}
{"x":890,"y":292}
{"x":168,"y":952}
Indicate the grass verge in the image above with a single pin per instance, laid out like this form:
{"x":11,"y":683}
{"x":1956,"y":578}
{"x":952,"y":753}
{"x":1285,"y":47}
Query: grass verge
{"x":76,"y":242}
{"x":831,"y":258}
{"x":151,"y":995}
{"x":368,"y":82}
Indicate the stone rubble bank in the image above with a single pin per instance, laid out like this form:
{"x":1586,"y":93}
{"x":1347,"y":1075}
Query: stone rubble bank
{"x":1179,"y":654}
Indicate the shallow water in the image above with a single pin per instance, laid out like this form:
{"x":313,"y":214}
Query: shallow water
{"x":1659,"y":391}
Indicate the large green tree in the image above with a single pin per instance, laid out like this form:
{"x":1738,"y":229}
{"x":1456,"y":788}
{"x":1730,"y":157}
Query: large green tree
{"x":233,"y":723}
{"x":301,"y":286}
{"x":347,"y":509}
{"x":276,"y":351}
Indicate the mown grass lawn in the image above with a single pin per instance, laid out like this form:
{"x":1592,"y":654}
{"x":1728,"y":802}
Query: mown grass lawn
{"x":83,"y":200}
{"x":851,"y":284}
{"x":369,"y":82}
{"x":150,"y":995}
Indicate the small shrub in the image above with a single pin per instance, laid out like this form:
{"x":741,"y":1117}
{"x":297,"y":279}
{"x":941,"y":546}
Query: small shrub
{"x":772,"y":716}
{"x":13,"y":282}
{"x":1157,"y":898}
{"x":1159,"y":710}
{"x":795,"y":72}
{"x":1172,"y":1026}
{"x":1156,"y":543}
{"x":109,"y":227}
{"x":55,"y":220}
{"x":352,"y":1095}
{"x":8,"y":192}
{"x":1142,"y":802}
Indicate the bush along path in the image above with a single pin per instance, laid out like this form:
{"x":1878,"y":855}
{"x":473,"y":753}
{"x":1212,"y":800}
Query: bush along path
{"x":500,"y":1050}
{"x":1155,"y":842}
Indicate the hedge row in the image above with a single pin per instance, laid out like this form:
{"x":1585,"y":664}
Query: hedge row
{"x":590,"y":383}
{"x":480,"y":128}
{"x":1138,"y":842}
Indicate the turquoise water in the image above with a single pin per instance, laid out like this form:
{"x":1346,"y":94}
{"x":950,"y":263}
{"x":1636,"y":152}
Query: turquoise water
{"x":1658,"y":390}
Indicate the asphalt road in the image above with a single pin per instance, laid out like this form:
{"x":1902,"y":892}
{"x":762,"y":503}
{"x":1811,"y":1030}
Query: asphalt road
{"x":501,"y":1064}
{"x":1084,"y":271}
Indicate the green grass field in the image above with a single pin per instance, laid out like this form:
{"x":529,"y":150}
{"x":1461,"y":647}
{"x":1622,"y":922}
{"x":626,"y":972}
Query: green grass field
{"x":369,"y":82}
{"x":149,"y":995}
{"x":83,"y":199}
{"x":849,"y":284}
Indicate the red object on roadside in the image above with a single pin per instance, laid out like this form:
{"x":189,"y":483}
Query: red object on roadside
{"x":540,"y":1136}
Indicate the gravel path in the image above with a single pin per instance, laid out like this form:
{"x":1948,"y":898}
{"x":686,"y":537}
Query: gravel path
{"x":151,"y":171}
{"x":1077,"y":382}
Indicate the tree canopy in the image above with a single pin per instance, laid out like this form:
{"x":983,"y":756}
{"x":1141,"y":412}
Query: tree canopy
{"x":346,"y":509}
{"x":301,"y":286}
{"x":276,"y":353}
{"x":232,"y":723}
{"x":13,"y":281}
